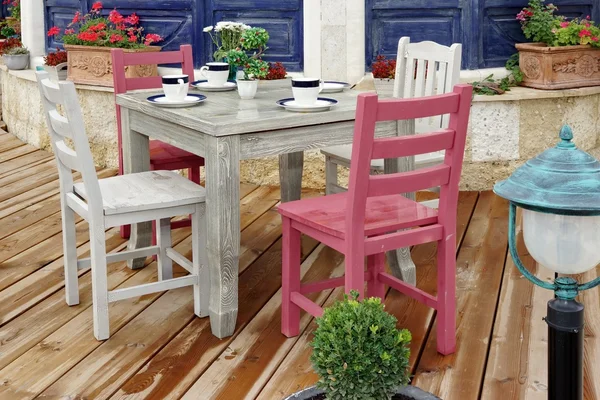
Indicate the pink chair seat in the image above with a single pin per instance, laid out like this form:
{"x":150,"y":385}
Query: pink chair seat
{"x":162,"y":153}
{"x":383,"y":214}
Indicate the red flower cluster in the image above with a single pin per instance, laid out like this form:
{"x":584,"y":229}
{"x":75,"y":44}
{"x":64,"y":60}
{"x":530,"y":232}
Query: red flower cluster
{"x":383,"y":68}
{"x":152,"y":38}
{"x":276,"y":71}
{"x":55,"y":58}
{"x":55,"y":30}
{"x":88,"y":36}
{"x":9,"y":44}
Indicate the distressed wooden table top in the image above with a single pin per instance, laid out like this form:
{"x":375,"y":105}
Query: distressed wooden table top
{"x":224,"y":113}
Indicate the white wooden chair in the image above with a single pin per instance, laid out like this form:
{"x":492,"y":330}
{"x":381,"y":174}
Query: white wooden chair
{"x":422,"y":69}
{"x":117,"y":201}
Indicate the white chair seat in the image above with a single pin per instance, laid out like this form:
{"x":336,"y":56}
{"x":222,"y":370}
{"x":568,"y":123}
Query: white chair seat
{"x":145,"y":191}
{"x":342,"y":155}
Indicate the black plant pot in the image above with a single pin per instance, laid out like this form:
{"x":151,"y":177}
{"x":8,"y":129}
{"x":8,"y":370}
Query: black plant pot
{"x":405,"y":393}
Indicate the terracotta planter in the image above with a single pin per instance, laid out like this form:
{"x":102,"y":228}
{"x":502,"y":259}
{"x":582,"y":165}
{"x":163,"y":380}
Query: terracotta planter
{"x":92,"y":65}
{"x":384,"y":87}
{"x":559,"y":67}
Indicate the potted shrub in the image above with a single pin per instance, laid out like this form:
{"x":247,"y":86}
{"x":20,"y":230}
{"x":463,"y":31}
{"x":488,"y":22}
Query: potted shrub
{"x":359,"y":354}
{"x":384,"y":73}
{"x":89,"y":38}
{"x":226,"y":37}
{"x":253,"y":67}
{"x":565,"y":53}
{"x":16,"y":58}
{"x":55,"y":63}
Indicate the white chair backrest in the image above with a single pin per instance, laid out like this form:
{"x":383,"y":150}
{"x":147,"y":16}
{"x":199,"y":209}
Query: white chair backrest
{"x":70,"y":126}
{"x":427,"y":69}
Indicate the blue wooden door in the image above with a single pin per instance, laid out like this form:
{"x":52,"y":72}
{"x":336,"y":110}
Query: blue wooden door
{"x":487,"y":29}
{"x":181,"y":21}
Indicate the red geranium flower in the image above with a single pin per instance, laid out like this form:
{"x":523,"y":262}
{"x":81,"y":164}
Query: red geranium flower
{"x":584,"y":32}
{"x":97,"y":6}
{"x":115,"y":17}
{"x":133,"y":19}
{"x":88,"y":36}
{"x":98,"y":27}
{"x":69,"y":31}
{"x":152,"y":38}
{"x":114,"y":38}
{"x":55,"y":30}
{"x":76,"y":18}
{"x":132,"y":38}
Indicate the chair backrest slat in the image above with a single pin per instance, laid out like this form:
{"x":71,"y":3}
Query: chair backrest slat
{"x":69,"y":126}
{"x":369,"y":111}
{"x":420,"y":79}
{"x":404,"y":146}
{"x":123,"y":84}
{"x":421,"y":107}
{"x":412,"y":181}
{"x":60,"y":124}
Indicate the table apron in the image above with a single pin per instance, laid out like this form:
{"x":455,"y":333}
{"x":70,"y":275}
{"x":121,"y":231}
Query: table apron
{"x":256,"y":144}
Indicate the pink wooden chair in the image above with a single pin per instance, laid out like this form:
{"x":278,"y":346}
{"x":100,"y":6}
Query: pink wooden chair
{"x":372,"y":217}
{"x":163,"y":156}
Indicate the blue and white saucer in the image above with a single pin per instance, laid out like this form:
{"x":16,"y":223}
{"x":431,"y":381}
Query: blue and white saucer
{"x":189,"y":101}
{"x":203,"y":85}
{"x":334,"y":86}
{"x":322,"y":104}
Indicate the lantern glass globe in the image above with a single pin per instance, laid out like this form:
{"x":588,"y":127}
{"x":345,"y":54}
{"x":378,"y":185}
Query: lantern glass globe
{"x":563,"y":243}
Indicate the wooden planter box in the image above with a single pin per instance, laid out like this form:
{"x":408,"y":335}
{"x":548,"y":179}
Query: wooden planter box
{"x":559,"y":67}
{"x":92,"y":65}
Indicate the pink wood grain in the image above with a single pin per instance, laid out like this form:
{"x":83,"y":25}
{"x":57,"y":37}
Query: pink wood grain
{"x":365,"y":221}
{"x":422,"y":143}
{"x":163,"y":156}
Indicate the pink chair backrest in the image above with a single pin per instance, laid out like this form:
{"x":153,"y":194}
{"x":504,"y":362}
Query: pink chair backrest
{"x":121,"y":60}
{"x":369,"y":111}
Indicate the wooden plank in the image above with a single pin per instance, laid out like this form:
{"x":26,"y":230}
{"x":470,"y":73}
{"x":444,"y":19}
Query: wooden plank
{"x":519,"y":342}
{"x":258,"y":237}
{"x":296,"y":373}
{"x":91,"y":378}
{"x":28,"y":179}
{"x":480,"y":266}
{"x":10,"y":142}
{"x":195,"y":348}
{"x":16,"y":152}
{"x":26,"y":160}
{"x":52,"y":313}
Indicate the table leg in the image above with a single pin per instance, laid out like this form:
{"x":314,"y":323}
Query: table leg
{"x":223,"y":230}
{"x":400,"y":261}
{"x":136,"y":158}
{"x":290,"y":175}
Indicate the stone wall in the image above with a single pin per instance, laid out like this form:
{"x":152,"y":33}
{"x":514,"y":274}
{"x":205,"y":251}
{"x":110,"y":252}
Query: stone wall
{"x":504,"y":131}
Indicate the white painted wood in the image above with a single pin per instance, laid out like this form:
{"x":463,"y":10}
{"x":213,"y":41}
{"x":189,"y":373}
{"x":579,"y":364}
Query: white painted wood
{"x":312,"y":38}
{"x":200,"y":263}
{"x":125,"y":199}
{"x":148,"y":288}
{"x":290,"y":175}
{"x":331,"y":175}
{"x":181,"y":260}
{"x":163,"y":240}
{"x":121,"y":256}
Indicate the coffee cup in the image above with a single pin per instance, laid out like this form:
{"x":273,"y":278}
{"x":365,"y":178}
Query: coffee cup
{"x":306,"y":90}
{"x":216,"y":73}
{"x":175,"y":87}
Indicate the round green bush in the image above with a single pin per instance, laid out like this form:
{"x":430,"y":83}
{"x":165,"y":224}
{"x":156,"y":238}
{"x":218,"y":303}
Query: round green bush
{"x":357,"y":351}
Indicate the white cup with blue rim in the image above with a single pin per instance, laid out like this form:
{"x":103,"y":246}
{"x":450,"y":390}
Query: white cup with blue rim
{"x":216,"y":73}
{"x":175,"y":87}
{"x":306,"y":90}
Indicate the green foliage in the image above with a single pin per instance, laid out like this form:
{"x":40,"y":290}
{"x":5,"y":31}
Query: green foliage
{"x":357,"y":351}
{"x":17,"y":51}
{"x":490,"y":86}
{"x":577,"y":32}
{"x":538,"y":21}
{"x":7,"y":31}
{"x":253,"y":65}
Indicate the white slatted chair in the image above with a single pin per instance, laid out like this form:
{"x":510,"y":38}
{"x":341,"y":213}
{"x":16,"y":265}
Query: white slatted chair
{"x":117,"y":201}
{"x":437,"y":70}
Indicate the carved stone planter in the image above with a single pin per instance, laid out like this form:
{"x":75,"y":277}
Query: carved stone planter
{"x":559,"y":67}
{"x":91,"y":65}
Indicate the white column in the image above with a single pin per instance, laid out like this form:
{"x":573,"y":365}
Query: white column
{"x":33,"y":32}
{"x":312,"y":38}
{"x":355,"y":39}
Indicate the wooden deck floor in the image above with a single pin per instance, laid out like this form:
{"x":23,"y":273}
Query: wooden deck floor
{"x":159,"y":350}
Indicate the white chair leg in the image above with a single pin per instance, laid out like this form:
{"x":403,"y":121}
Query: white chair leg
{"x":99,"y":282}
{"x":200,"y":262}
{"x":70,"y":256}
{"x":163,"y":240}
{"x":331,"y":175}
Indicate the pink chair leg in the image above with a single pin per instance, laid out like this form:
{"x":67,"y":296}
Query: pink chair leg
{"x":375,"y":265}
{"x":290,"y":279}
{"x":125,"y":231}
{"x":446,"y":309}
{"x":355,"y":273}
{"x":194,"y":174}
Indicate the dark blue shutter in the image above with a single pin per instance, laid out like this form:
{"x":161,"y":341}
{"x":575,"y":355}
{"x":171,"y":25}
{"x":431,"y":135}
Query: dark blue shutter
{"x":487,"y":29}
{"x":181,"y":21}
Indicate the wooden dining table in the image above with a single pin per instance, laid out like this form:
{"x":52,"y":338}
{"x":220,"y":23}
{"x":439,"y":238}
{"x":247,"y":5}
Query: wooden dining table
{"x":225,"y":129}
